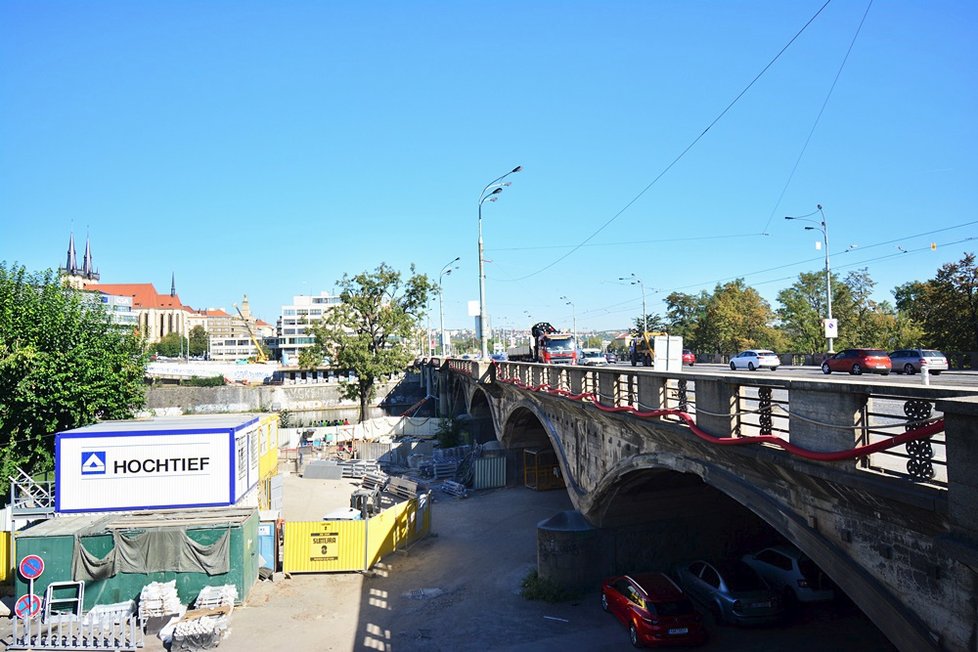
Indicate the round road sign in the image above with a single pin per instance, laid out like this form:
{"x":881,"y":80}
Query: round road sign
{"x":27,"y":606}
{"x":31,"y":567}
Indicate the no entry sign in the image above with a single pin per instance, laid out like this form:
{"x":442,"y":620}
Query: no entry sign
{"x":27,"y":606}
{"x":31,"y":567}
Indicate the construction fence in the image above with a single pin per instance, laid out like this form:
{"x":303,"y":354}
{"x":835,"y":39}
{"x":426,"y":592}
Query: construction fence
{"x":353,"y":545}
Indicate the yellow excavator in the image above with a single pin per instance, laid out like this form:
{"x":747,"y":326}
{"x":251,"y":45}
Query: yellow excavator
{"x":260,"y":355}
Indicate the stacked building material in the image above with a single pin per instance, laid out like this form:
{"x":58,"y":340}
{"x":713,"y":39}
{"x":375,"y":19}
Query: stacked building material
{"x":159,"y":599}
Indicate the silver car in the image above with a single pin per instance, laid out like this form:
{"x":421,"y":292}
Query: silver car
{"x":732,"y":591}
{"x":913,"y":361}
{"x":789,"y":570}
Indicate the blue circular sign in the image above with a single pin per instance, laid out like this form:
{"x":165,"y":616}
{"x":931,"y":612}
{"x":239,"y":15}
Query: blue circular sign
{"x":27,"y":606}
{"x":31,"y":567}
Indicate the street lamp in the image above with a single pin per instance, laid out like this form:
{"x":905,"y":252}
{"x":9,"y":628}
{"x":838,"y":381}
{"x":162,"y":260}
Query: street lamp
{"x":447,"y":269}
{"x":634,"y":280}
{"x":489,"y":193}
{"x":823,"y":227}
{"x":574,"y":317}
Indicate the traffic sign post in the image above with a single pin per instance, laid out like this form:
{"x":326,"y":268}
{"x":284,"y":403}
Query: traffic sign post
{"x":29,"y":605}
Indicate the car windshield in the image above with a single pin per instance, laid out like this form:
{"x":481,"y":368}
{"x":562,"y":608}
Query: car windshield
{"x":671,"y":608}
{"x":765,"y":353}
{"x":932,"y":354}
{"x":740,"y":577}
{"x":561,"y":344}
{"x":808,"y":569}
{"x":874,"y":353}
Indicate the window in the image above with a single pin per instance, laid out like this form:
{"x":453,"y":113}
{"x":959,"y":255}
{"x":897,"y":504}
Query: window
{"x":774,"y":558}
{"x":710,"y":577}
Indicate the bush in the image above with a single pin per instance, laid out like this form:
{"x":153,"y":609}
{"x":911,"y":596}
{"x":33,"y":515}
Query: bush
{"x":197,"y":381}
{"x":534,"y":587}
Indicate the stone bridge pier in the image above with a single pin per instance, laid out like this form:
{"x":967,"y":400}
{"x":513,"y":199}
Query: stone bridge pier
{"x":649,"y":492}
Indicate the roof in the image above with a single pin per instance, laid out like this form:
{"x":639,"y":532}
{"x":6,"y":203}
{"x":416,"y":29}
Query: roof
{"x":144,"y":295}
{"x":94,"y":524}
{"x":658,"y":586}
{"x":189,"y":423}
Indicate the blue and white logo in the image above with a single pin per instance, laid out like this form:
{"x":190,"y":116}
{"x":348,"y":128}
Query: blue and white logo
{"x":93,"y":463}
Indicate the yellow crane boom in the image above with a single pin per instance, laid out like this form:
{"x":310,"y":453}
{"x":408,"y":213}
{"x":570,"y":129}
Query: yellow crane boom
{"x":260,"y":355}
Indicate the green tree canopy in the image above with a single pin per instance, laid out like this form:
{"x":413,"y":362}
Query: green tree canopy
{"x":737,"y":318}
{"x":198,"y":340}
{"x":171,"y":345}
{"x":945,"y":307}
{"x":370,"y":331}
{"x":63,"y":364}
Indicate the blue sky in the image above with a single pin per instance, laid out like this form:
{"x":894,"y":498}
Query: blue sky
{"x":267,"y":148}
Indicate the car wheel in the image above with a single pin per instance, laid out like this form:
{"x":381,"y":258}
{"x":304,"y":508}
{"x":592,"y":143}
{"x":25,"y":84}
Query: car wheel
{"x":733,"y":367}
{"x":750,"y":366}
{"x":633,"y":635}
{"x":774,"y":368}
{"x":604,"y":602}
{"x":634,"y":362}
{"x":856,"y":370}
{"x":692,"y":363}
{"x":935,"y":373}
{"x":886,"y":373}
{"x":826,"y":369}
{"x":717,"y":613}
{"x":908,"y":369}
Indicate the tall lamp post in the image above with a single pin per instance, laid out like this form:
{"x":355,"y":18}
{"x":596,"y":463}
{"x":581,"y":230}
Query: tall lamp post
{"x":574,"y":318}
{"x":822,"y":227}
{"x":489,"y":193}
{"x":634,"y":280}
{"x":447,"y":269}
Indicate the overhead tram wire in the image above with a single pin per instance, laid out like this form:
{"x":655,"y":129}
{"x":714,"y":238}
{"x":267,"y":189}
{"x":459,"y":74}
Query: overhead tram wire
{"x":818,"y":258}
{"x":686,"y":150}
{"x":818,"y":117}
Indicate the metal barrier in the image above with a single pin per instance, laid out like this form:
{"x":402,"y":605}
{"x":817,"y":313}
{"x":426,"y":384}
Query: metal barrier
{"x":61,"y":633}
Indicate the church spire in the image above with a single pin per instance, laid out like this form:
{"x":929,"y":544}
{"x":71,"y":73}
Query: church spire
{"x":88,"y":270}
{"x":72,"y":263}
{"x":173,"y":284}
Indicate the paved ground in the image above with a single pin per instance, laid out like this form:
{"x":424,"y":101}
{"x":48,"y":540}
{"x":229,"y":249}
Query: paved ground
{"x":459,"y":590}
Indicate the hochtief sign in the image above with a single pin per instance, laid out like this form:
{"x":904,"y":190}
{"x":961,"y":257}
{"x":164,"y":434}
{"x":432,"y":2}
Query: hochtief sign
{"x":163,"y":463}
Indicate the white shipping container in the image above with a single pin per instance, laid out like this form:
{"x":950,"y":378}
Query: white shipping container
{"x":161,"y":463}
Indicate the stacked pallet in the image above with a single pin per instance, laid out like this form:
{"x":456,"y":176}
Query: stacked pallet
{"x":374,"y":480}
{"x":159,"y":599}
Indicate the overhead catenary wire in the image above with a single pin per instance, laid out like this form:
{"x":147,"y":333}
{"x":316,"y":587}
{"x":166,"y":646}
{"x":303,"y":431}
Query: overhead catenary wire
{"x":685,"y":150}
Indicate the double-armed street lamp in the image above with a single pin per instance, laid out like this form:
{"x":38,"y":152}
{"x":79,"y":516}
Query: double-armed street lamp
{"x":447,"y":269}
{"x":822,"y":227}
{"x":574,"y":318}
{"x":489,"y":193}
{"x":634,"y":280}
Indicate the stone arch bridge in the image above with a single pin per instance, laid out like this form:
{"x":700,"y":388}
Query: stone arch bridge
{"x":665,"y":466}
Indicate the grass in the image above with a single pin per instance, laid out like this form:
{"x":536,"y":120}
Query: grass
{"x":535,"y":587}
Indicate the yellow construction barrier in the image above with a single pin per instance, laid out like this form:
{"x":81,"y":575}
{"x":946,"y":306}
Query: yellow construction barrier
{"x":332,"y":546}
{"x":6,"y":557}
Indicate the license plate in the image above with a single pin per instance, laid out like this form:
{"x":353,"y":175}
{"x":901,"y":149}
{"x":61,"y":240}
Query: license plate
{"x":676,"y":631}
{"x":763,"y":604}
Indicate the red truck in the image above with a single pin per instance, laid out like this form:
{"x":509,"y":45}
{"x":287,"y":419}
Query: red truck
{"x":547,"y":345}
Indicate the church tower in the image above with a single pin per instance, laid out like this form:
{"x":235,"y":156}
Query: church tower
{"x":71,"y":274}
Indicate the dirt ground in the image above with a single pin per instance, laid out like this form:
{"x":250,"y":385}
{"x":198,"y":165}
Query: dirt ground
{"x":459,"y":590}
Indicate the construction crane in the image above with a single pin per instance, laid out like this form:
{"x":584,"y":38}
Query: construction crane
{"x":260,"y":355}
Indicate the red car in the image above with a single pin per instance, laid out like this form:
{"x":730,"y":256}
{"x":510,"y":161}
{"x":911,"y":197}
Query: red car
{"x":857,"y":361}
{"x":689,"y":358}
{"x":654,"y":608}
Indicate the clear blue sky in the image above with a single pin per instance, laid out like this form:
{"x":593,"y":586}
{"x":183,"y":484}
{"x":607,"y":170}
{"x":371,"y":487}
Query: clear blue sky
{"x":269,"y":147}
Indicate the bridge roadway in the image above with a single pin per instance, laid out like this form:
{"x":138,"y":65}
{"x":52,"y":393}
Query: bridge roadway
{"x":665,"y":466}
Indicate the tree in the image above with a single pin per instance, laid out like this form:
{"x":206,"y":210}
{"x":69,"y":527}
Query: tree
{"x":737,"y":318}
{"x":801,"y":313}
{"x":946,"y":307}
{"x":198,"y":340}
{"x":171,"y":345}
{"x":651,"y":322}
{"x":370,"y":331}
{"x":684,"y":314}
{"x":63,"y":365}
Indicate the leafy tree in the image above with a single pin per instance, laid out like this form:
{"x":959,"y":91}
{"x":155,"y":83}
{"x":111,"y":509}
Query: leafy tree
{"x":737,"y":318}
{"x":63,"y":365}
{"x":370,"y":331}
{"x":592,"y":342}
{"x":801,"y":313}
{"x":653,"y":322}
{"x":171,"y":345}
{"x":684,"y":314}
{"x":946,"y":307}
{"x":198,"y":340}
